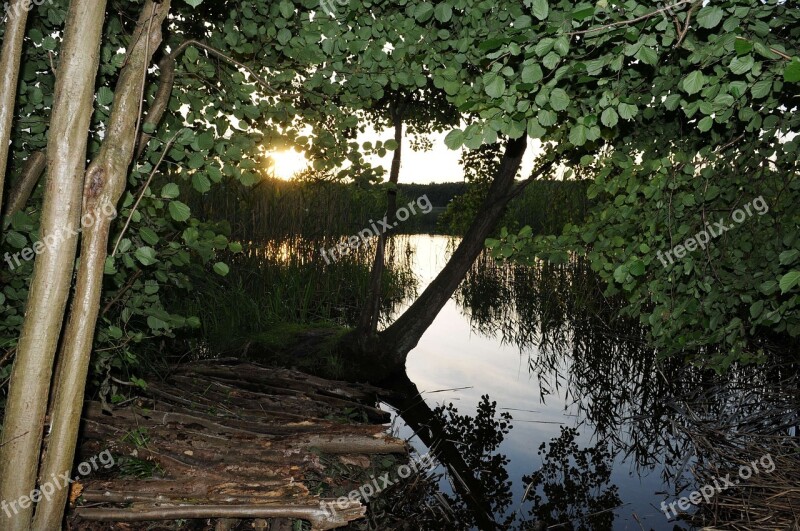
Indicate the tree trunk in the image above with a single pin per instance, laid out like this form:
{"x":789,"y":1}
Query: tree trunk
{"x":23,"y":187}
{"x":52,"y":272}
{"x":105,"y":183}
{"x":402,"y":336}
{"x":10,"y":58}
{"x":368,"y":322}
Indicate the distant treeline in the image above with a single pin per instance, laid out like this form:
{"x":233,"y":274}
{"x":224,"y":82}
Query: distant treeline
{"x":440,"y":194}
{"x":276,"y":209}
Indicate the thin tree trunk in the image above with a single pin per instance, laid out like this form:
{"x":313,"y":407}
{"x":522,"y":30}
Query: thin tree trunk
{"x":368,"y":322}
{"x":52,"y":272}
{"x":403,"y":335}
{"x":105,"y":183}
{"x":10,"y":58}
{"x":23,"y":187}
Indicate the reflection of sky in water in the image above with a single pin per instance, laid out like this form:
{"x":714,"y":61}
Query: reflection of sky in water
{"x":451,"y":356}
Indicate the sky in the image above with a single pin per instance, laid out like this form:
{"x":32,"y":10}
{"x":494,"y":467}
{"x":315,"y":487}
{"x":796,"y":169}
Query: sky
{"x":439,"y":164}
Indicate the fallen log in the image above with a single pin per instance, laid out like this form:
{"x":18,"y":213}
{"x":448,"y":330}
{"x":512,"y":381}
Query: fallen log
{"x":319,"y":518}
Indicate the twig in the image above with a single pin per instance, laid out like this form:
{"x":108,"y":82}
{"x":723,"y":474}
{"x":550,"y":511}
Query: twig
{"x":633,"y":20}
{"x":144,"y":189}
{"x":222,"y":55}
{"x":145,"y":64}
{"x":685,"y":29}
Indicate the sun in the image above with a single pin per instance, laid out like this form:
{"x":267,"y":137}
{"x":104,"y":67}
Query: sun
{"x":286,"y":163}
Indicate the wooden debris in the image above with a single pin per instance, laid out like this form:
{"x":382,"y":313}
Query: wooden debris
{"x":231,"y":441}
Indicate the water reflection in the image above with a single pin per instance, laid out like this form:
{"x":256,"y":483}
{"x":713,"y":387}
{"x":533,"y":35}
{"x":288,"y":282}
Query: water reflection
{"x":572,"y":490}
{"x":635,"y":413}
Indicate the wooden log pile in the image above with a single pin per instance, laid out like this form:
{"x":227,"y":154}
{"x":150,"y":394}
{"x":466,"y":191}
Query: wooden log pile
{"x":230,"y":441}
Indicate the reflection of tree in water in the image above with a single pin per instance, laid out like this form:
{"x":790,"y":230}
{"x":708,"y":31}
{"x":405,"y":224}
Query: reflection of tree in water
{"x":575,"y":339}
{"x":572,"y":488}
{"x":467,"y":447}
{"x":478,"y":439}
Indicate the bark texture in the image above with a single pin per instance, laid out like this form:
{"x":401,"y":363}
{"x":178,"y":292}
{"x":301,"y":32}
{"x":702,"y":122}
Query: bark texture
{"x":52,"y":273}
{"x":10,"y":58}
{"x":104,"y":185}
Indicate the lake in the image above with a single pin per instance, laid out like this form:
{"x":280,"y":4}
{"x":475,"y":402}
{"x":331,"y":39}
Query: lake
{"x":545,"y":346}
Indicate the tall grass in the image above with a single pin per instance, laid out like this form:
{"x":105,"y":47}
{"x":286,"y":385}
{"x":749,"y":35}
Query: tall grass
{"x":288,"y":281}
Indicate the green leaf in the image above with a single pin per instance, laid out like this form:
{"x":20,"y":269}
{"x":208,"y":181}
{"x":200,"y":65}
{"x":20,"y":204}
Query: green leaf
{"x":694,"y":82}
{"x":788,"y":257}
{"x":454,"y":139}
{"x":577,"y":135}
{"x":627,"y":111}
{"x":609,"y":117}
{"x":148,"y":235}
{"x":205,"y":141}
{"x":194,"y":3}
{"x":742,"y":46}
{"x":201,"y":183}
{"x":709,"y":16}
{"x":221,"y":269}
{"x":284,"y":36}
{"x":494,"y":84}
{"x":443,"y":12}
{"x":620,"y":273}
{"x":390,"y":144}
{"x":789,"y":280}
{"x":191,"y":54}
{"x":532,"y":73}
{"x":423,"y":12}
{"x":179,"y":211}
{"x":105,"y":96}
{"x":535,"y":130}
{"x":647,"y":55}
{"x":16,"y":240}
{"x":761,"y":88}
{"x":791,"y":73}
{"x":705,"y":124}
{"x":146,"y":255}
{"x":170,"y":191}
{"x":742,"y":65}
{"x":286,"y":8}
{"x":559,"y":99}
{"x":540,"y":9}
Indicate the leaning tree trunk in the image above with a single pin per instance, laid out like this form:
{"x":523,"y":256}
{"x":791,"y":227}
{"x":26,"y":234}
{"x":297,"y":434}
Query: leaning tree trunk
{"x":368,"y":322}
{"x":396,"y":342}
{"x":52,"y":272}
{"x":105,"y":183}
{"x":23,"y":188}
{"x":10,"y":58}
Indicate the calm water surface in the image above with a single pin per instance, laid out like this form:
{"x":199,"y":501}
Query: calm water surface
{"x":462,"y":357}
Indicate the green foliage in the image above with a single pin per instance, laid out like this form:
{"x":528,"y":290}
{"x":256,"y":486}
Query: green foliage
{"x":673,"y":125}
{"x":688,"y":144}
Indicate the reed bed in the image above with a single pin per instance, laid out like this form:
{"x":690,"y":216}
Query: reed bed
{"x":751,"y":434}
